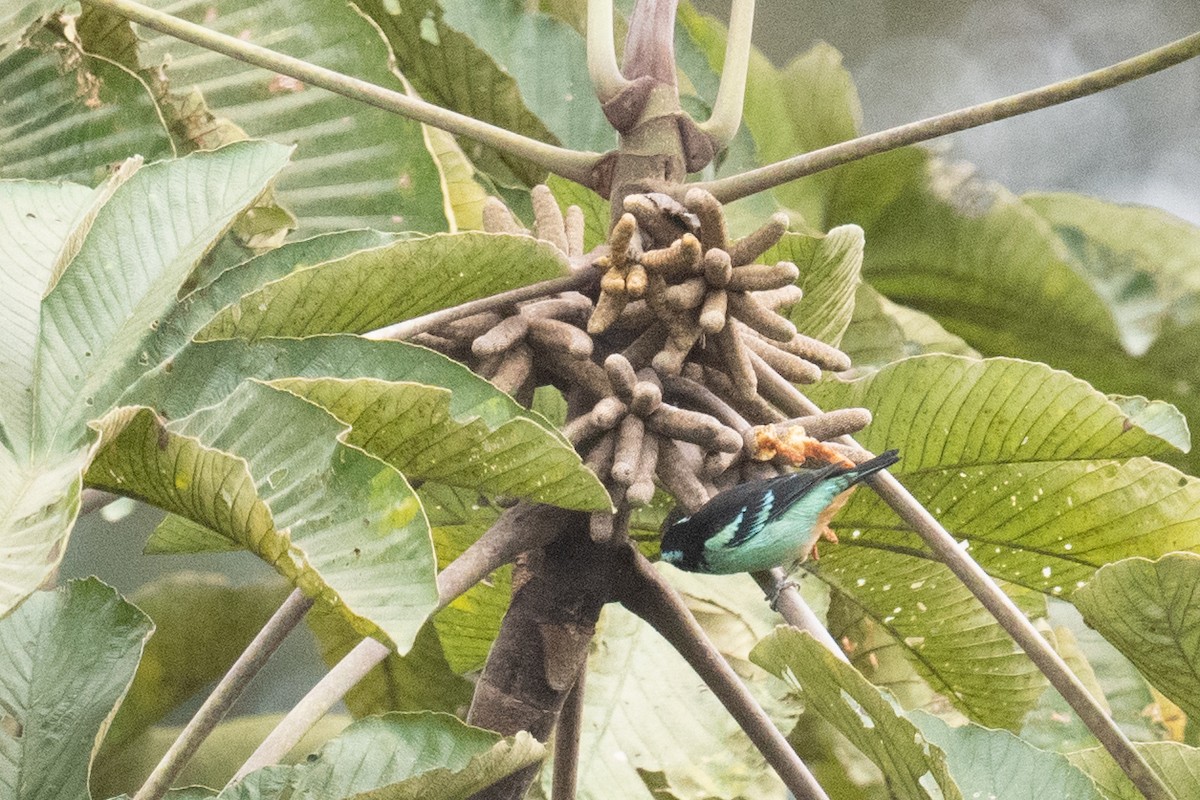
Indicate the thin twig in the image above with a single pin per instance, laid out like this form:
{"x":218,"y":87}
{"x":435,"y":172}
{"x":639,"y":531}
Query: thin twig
{"x":793,"y":609}
{"x":518,"y":529}
{"x":646,"y":593}
{"x":726,"y":115}
{"x":757,"y":180}
{"x":344,"y":676}
{"x":571,"y":164}
{"x":566,"y":742}
{"x":411,"y":327}
{"x":224,"y":695}
{"x":1018,"y":626}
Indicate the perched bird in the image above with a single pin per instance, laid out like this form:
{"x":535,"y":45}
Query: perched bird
{"x":761,"y":524}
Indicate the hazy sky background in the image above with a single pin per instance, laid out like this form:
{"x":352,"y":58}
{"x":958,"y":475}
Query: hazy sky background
{"x":914,"y":58}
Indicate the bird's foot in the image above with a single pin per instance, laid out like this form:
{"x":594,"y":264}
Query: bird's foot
{"x":780,"y":588}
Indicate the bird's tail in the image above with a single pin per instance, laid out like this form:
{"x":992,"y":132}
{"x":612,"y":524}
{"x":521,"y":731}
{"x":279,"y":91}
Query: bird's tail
{"x":881,"y":461}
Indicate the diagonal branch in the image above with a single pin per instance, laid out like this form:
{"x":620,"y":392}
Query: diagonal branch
{"x":521,"y":528}
{"x":572,"y":164}
{"x":646,"y":593}
{"x":772,"y":175}
{"x":223,"y":696}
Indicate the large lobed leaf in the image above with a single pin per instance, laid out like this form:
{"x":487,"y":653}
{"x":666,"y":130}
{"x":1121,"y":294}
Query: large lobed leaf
{"x":860,"y":711}
{"x":270,"y":472}
{"x":139,"y":250}
{"x":66,"y":659}
{"x":355,"y":164}
{"x":423,"y":413}
{"x":988,"y":763}
{"x":89,"y":274}
{"x":1042,"y":478}
{"x":374,"y":288}
{"x":1150,"y":611}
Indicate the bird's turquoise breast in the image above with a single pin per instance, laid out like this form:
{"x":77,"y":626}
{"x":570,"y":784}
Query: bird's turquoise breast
{"x":754,"y":540}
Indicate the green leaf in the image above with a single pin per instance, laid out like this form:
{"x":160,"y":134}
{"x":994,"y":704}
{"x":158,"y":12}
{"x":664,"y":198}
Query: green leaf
{"x":420,"y":680}
{"x":646,"y":711}
{"x":1142,"y":261}
{"x":355,"y":165}
{"x":219,"y":756}
{"x":37,"y":220}
{"x":396,"y":757}
{"x":470,"y":623}
{"x":595,"y":209}
{"x":465,"y":195}
{"x":333,"y":520}
{"x":889,"y":603}
{"x":1053,"y":725}
{"x":143,"y":242}
{"x":548,"y":60}
{"x":830,"y":268}
{"x":410,"y":426}
{"x":66,"y":659}
{"x":1007,"y":455}
{"x":68,"y":115}
{"x":374,"y":288}
{"x":201,"y":625}
{"x":40,"y":504}
{"x":19,"y":16}
{"x":988,"y":763}
{"x":1150,"y":612}
{"x":841,"y":695}
{"x":200,"y":304}
{"x":438,"y":408}
{"x":881,"y":331}
{"x":446,"y":67}
{"x":1038,"y":474}
{"x":1177,"y":764}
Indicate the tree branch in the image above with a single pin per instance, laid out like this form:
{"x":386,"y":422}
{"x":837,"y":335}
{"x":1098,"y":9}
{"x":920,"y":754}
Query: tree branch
{"x":793,"y":609}
{"x":572,"y":164}
{"x":646,"y":593}
{"x":757,"y":180}
{"x":558,"y":591}
{"x":518,"y":529}
{"x":223,"y":696}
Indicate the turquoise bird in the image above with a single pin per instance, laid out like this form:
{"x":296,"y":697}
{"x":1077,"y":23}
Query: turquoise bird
{"x":761,"y":524}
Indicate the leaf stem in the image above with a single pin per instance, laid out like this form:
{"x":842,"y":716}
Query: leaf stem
{"x":726,"y":115}
{"x":606,"y":76}
{"x":646,"y":593}
{"x":793,"y":609}
{"x":772,"y":175}
{"x":572,"y":164}
{"x":580,"y":279}
{"x":518,"y":529}
{"x":223,"y":696}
